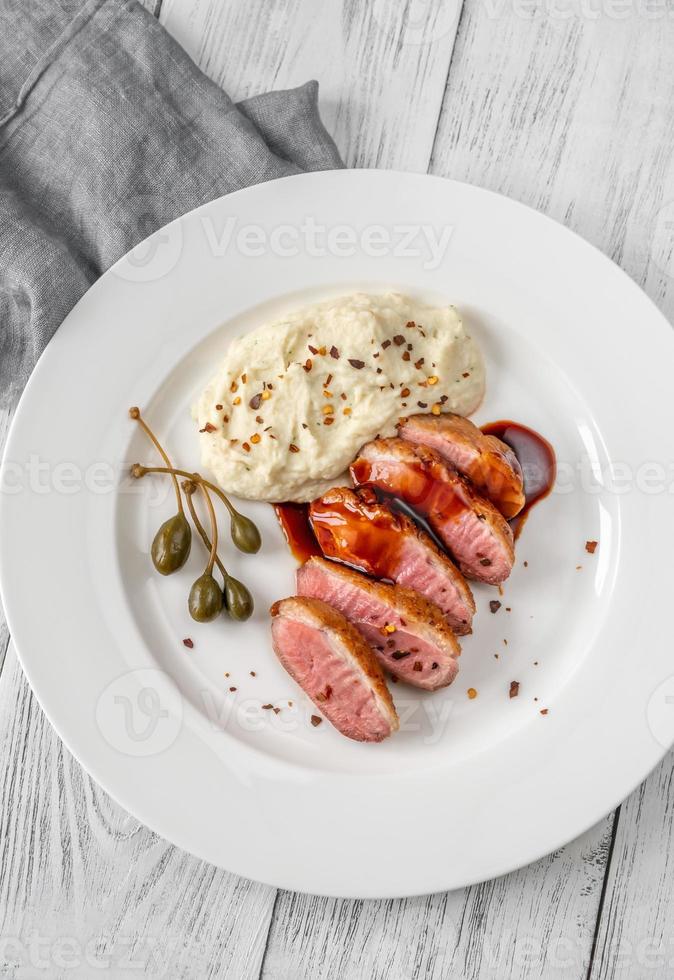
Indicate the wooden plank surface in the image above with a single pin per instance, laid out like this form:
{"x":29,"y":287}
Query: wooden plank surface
{"x":381,"y":65}
{"x":573,"y":117}
{"x":538,"y":922}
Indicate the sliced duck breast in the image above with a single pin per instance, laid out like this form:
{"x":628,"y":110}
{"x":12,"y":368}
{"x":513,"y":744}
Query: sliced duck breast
{"x":333,"y":664}
{"x":355,"y":528}
{"x":408,"y":634}
{"x":476,"y":534}
{"x":490,"y":465}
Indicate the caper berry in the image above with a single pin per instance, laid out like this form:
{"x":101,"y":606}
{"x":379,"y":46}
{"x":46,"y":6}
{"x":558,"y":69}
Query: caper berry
{"x":205,"y":600}
{"x":171,"y":545}
{"x":238,"y":600}
{"x":245,"y":534}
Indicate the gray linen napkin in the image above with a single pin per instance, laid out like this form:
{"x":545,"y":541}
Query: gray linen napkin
{"x":107,"y":132}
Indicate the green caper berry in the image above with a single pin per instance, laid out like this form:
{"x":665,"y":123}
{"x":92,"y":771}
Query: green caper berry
{"x":171,"y":545}
{"x":205,"y":600}
{"x":245,"y":534}
{"x":238,"y":600}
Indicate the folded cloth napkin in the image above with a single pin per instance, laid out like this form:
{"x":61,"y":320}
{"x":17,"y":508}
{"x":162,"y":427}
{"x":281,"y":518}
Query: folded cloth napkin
{"x":107,"y":132}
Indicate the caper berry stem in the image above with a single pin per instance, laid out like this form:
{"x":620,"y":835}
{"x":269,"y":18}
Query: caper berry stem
{"x":189,"y":487}
{"x":244,"y":532}
{"x":135,"y":414}
{"x":138,"y":471}
{"x":214,"y":530}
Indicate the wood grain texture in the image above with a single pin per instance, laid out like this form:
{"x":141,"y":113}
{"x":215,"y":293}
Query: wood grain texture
{"x":381,"y":65}
{"x":636,"y":931}
{"x":575,"y":118}
{"x":538,"y":922}
{"x":6,"y":416}
{"x":85,"y":889}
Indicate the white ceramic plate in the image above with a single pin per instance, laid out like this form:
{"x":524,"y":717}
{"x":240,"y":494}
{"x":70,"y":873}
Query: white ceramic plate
{"x":468,"y":789}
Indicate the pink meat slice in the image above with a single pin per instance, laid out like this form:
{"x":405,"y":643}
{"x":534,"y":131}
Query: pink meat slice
{"x":332,"y":663}
{"x":408,"y":634}
{"x":470,"y":527}
{"x":355,"y":528}
{"x":490,"y":465}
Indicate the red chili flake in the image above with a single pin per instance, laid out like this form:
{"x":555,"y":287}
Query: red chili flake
{"x":422,"y":404}
{"x":526,"y":564}
{"x":188,"y":643}
{"x":494,"y":605}
{"x":315,"y":721}
{"x":267,"y":707}
{"x":418,"y":363}
{"x":466,"y":374}
{"x":514,"y":689}
{"x":385,"y":344}
{"x":329,"y":420}
{"x":544,"y":711}
{"x":400,"y":654}
{"x":208,"y":428}
{"x":591,"y":547}
{"x":324,"y":695}
{"x":410,"y":324}
{"x":410,"y":347}
{"x":245,"y":445}
{"x":308,"y":364}
{"x":314,"y":350}
{"x":232,"y":689}
{"x":225,"y":418}
{"x":444,"y":399}
{"x":334,"y":352}
{"x":485,"y":561}
{"x":218,"y":408}
{"x":276,"y":710}
{"x":398,"y":340}
{"x":417,"y":665}
{"x":259,"y":419}
{"x":293,"y":448}
{"x":355,"y":363}
{"x":406,"y":356}
{"x":256,"y":401}
{"x":326,"y":383}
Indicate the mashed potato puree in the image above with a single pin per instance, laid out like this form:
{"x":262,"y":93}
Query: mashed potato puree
{"x":294,"y":400}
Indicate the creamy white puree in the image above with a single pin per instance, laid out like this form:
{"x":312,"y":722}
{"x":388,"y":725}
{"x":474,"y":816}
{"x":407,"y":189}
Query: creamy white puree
{"x":283,"y":446}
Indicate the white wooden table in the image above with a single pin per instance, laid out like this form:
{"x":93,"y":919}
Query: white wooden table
{"x":567,"y":105}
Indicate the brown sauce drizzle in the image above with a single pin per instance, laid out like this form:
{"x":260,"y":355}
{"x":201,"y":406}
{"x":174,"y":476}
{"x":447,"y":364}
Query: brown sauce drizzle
{"x":294,"y":521}
{"x":536,"y":458}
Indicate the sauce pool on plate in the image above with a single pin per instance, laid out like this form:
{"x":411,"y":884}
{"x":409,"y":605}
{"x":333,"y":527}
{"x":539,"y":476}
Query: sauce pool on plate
{"x":537,"y":459}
